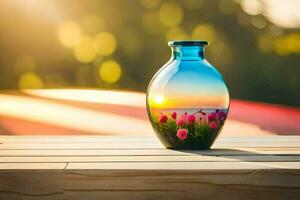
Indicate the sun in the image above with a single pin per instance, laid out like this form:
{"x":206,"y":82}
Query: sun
{"x":159,"y":99}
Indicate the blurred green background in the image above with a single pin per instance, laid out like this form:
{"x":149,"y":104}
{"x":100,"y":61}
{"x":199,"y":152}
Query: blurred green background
{"x":120,"y":44}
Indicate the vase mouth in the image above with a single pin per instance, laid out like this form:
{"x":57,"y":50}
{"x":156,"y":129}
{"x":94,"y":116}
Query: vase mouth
{"x":187,"y":43}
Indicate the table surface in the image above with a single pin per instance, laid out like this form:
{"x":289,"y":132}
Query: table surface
{"x":146,"y":152}
{"x":118,"y":167}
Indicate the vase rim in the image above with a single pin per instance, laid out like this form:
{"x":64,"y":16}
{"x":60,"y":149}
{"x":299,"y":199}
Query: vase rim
{"x":187,"y":43}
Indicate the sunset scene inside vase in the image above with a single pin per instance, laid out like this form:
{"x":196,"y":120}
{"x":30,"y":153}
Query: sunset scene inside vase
{"x":188,"y":113}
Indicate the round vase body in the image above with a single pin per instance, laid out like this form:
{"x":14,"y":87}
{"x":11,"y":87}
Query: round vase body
{"x":187,"y":99}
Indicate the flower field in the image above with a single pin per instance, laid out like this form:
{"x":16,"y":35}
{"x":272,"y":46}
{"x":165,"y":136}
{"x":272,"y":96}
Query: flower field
{"x":196,"y":130}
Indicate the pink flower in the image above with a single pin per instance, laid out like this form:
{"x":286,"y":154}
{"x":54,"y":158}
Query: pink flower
{"x":182,"y":133}
{"x":191,"y":118}
{"x":213,"y":125}
{"x":163,"y":119}
{"x":184,"y":117}
{"x":212,"y":116}
{"x":174,"y":115}
{"x":180,"y":122}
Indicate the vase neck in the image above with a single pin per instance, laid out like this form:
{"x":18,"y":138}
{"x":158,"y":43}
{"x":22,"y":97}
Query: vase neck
{"x":188,"y":52}
{"x":188,"y":49}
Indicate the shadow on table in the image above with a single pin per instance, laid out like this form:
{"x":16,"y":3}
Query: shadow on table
{"x":233,"y":154}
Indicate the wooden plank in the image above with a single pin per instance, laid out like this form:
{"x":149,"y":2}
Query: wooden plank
{"x":282,"y":165}
{"x":120,"y":145}
{"x":256,"y":144}
{"x":151,"y":152}
{"x":134,"y":139}
{"x":75,"y":139}
{"x":191,"y":158}
{"x":179,"y":184}
{"x":133,"y":145}
{"x":13,"y":166}
{"x":150,"y":184}
{"x":186,"y":165}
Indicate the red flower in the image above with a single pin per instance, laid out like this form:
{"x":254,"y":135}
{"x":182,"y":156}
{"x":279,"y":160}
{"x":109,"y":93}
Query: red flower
{"x":222,"y":115}
{"x":163,"y":119}
{"x":182,"y":134}
{"x":191,"y":118}
{"x":213,"y":125}
{"x":180,"y":122}
{"x":212,"y":116}
{"x":174,"y":115}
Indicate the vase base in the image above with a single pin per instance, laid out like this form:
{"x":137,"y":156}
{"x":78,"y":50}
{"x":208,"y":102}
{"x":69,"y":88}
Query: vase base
{"x":189,"y":148}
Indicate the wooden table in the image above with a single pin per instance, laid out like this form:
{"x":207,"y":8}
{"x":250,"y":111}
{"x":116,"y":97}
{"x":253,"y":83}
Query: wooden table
{"x":111,"y":167}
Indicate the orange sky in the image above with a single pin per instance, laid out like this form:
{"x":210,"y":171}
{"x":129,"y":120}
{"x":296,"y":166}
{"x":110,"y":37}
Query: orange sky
{"x":184,"y":101}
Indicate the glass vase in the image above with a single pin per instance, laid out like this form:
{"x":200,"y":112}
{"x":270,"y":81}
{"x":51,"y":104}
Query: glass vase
{"x":187,"y":99}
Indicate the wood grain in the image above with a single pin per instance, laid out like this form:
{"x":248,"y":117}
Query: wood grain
{"x":150,"y":184}
{"x":92,"y":167}
{"x":189,"y":158}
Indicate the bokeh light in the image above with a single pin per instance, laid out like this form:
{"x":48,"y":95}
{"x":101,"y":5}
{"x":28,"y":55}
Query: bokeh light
{"x":204,"y":32}
{"x":105,"y":43}
{"x":259,"y":22}
{"x":24,"y":63}
{"x":30,"y":80}
{"x":85,"y":51}
{"x":281,"y":47}
{"x":283,"y":13}
{"x":288,"y":44}
{"x":110,"y":71}
{"x":171,"y":13}
{"x":69,"y":34}
{"x":252,"y":7}
{"x":149,"y":4}
{"x":293,"y":42}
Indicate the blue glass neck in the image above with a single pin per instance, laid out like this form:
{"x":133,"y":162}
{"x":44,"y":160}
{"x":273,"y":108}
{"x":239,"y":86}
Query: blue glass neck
{"x":188,"y":52}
